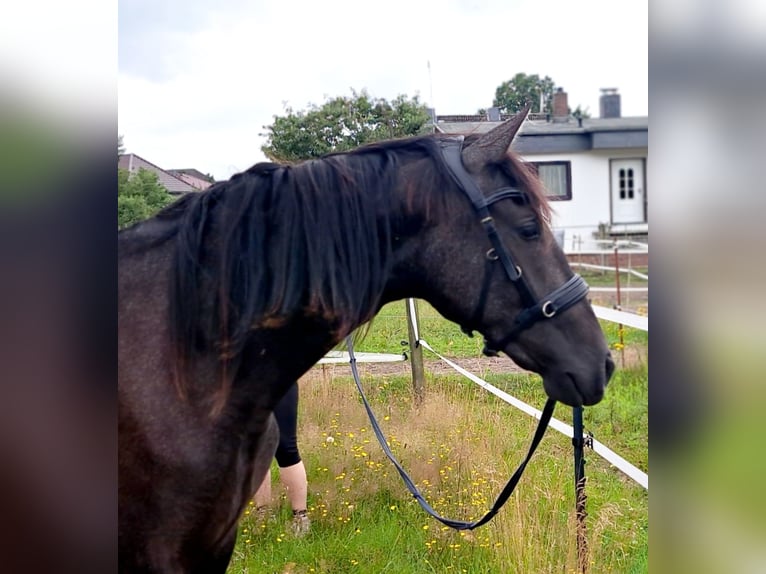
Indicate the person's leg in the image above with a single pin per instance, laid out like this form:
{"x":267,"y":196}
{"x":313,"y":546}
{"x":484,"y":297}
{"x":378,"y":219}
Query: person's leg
{"x":292,"y":471}
{"x":294,"y":479}
{"x":262,"y":496}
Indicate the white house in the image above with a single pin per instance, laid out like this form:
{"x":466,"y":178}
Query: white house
{"x":594,"y":169}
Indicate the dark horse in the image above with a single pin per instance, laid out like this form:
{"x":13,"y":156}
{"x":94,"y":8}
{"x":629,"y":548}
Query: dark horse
{"x":228,"y":296}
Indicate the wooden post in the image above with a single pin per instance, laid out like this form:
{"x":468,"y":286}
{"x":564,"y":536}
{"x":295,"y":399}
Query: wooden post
{"x":619,"y":303}
{"x":416,"y":352}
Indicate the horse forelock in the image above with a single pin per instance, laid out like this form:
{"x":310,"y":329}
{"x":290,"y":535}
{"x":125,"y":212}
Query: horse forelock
{"x":526,"y":179}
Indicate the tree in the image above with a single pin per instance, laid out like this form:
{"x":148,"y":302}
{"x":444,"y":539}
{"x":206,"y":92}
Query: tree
{"x":579,"y":112}
{"x":139,"y":196}
{"x":513,"y":95}
{"x":342,"y":123}
{"x":120,"y":146}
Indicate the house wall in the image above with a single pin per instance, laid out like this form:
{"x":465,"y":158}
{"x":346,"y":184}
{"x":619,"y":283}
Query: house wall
{"x":580,"y":216}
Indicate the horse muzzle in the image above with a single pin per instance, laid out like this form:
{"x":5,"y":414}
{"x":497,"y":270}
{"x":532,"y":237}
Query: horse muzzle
{"x":583,"y":387}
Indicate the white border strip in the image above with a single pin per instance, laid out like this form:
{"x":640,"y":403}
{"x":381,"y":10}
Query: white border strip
{"x":621,"y":317}
{"x":415,"y":328}
{"x":336,"y":357}
{"x":606,"y":268}
{"x":623,"y":289}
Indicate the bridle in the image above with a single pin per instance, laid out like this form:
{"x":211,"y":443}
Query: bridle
{"x":535,"y":309}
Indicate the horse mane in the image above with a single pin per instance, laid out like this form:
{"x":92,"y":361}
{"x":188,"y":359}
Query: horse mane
{"x":311,"y":239}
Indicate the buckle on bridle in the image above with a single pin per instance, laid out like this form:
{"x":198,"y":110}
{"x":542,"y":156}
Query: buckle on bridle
{"x":548,"y":310}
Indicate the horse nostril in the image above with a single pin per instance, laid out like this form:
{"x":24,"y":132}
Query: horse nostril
{"x":609,"y":367}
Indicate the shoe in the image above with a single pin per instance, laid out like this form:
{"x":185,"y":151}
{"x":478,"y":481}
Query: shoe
{"x":301,"y":523}
{"x":262,"y":514}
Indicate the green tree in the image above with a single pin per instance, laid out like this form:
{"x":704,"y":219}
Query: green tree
{"x":511,"y":96}
{"x":120,"y":146}
{"x":139,"y":196}
{"x":342,"y":123}
{"x":579,"y":112}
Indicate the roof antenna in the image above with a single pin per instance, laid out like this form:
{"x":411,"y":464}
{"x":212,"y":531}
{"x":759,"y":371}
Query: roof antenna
{"x":432,"y":108}
{"x":431,"y":85}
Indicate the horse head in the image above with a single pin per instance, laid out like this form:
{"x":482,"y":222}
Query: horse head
{"x":488,"y":260}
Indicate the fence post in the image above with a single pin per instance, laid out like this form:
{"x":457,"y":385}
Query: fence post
{"x":619,"y":302}
{"x":416,"y":351}
{"x":578,"y":440}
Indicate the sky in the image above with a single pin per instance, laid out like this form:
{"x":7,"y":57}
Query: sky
{"x":199,"y":80}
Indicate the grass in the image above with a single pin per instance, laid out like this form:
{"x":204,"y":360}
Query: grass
{"x":388,"y":333}
{"x":460,"y":447}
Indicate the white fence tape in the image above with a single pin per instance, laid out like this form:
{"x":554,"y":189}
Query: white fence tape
{"x":343,"y":357}
{"x":414,"y":317}
{"x":621,"y":317}
{"x":607,"y":268}
{"x":623,"y":289}
{"x":612,"y":457}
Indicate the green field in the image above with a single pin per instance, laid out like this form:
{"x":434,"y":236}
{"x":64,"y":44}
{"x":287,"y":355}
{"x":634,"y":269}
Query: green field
{"x":460,"y":447}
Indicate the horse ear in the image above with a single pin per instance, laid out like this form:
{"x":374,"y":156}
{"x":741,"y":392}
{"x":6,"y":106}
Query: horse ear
{"x":493,"y":145}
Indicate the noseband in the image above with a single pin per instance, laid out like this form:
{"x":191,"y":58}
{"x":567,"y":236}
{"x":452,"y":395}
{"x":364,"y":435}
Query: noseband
{"x":535,"y":309}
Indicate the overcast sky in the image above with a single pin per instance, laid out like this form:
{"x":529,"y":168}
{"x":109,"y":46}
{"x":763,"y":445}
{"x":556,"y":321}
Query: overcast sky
{"x":198,"y":80}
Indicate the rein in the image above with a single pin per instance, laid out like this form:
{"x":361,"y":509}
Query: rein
{"x":534,"y":310}
{"x":545,"y":418}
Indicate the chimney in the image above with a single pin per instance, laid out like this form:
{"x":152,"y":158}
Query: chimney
{"x":609,"y":103}
{"x":560,"y":106}
{"x":493,"y":114}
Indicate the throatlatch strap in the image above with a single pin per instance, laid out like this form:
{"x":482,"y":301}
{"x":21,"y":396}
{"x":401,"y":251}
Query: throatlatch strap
{"x":504,"y":495}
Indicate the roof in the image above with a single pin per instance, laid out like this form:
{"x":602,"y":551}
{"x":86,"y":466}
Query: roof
{"x":174,"y":185}
{"x":200,"y":183}
{"x":541,"y":136}
{"x":194,"y":173}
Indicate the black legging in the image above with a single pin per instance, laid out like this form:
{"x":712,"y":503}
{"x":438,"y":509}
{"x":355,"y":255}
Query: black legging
{"x":286,"y":413}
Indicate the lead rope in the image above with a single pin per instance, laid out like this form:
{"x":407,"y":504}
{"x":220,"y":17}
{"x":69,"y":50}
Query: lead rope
{"x":545,"y":418}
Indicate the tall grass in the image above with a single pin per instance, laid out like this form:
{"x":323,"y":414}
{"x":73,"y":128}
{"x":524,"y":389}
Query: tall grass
{"x":460,"y":447}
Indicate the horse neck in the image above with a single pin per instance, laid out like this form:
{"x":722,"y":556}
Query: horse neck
{"x":416,"y":209}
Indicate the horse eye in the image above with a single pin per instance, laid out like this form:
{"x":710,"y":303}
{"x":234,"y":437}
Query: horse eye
{"x":530,"y":232}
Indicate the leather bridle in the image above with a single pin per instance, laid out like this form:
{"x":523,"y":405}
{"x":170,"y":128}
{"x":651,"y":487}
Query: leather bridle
{"x":535,"y":310}
{"x":554,"y":303}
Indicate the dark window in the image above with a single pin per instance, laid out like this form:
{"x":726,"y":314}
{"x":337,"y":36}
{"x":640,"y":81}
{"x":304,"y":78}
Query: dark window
{"x":627,"y":191}
{"x":556,"y":177}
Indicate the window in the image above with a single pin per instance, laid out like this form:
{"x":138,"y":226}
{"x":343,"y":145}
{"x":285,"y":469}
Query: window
{"x":556,"y":177}
{"x":626,"y":184}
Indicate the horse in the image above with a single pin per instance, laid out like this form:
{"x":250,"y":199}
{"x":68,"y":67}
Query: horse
{"x":229,"y":295}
